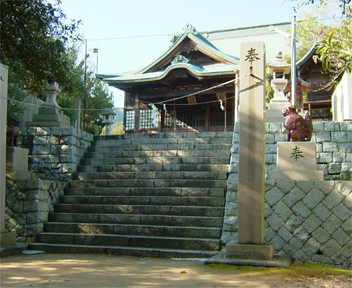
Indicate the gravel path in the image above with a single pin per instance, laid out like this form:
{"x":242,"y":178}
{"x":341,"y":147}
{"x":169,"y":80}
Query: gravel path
{"x":82,"y":270}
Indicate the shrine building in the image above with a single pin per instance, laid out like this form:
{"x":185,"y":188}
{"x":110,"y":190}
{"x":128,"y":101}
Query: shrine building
{"x":192,"y":86}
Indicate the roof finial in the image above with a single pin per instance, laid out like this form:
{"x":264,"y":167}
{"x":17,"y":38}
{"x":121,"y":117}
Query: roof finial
{"x":189,"y":29}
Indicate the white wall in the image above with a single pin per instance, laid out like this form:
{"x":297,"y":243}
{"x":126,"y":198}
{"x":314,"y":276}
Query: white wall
{"x":342,"y":99}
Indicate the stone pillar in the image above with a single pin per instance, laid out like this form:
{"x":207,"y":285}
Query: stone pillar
{"x":251,"y":185}
{"x":6,"y":238}
{"x":137,"y":107}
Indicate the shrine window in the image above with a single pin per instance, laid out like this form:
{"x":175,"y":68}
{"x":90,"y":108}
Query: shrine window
{"x":129,"y":120}
{"x":146,"y":120}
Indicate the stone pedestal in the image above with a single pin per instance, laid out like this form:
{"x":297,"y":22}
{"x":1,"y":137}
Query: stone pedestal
{"x":7,"y":238}
{"x":17,"y":163}
{"x":250,"y":251}
{"x":50,"y":114}
{"x":297,"y":161}
{"x":275,"y":107}
{"x":49,"y":117}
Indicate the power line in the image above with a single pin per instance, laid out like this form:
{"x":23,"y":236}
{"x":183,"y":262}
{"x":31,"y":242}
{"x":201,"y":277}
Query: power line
{"x":130,"y":37}
{"x":61,"y":108}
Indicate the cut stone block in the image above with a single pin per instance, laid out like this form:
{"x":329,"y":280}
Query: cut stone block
{"x":297,"y":161}
{"x":250,"y":251}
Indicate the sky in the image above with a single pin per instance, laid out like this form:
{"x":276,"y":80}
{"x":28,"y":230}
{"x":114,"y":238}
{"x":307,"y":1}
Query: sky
{"x":129,"y":34}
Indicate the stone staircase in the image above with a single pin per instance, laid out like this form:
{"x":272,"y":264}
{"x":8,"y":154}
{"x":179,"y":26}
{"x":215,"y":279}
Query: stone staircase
{"x":156,"y":195}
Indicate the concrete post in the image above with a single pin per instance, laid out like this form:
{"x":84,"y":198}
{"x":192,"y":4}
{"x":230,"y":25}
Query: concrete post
{"x":6,"y":238}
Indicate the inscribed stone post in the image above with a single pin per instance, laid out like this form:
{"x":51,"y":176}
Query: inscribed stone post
{"x":251,"y":183}
{"x":252,"y":145}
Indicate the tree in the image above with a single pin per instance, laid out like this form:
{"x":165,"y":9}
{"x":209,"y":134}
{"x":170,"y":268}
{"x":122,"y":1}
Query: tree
{"x":336,"y":51}
{"x":343,"y":4}
{"x":98,"y":98}
{"x":39,"y":48}
{"x":33,"y":43}
{"x":335,"y":43}
{"x":97,"y":94}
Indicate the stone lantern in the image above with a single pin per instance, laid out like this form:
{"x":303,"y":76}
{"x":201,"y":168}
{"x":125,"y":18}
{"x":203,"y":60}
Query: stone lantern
{"x":50,"y":113}
{"x":108,"y":119}
{"x":279,"y":68}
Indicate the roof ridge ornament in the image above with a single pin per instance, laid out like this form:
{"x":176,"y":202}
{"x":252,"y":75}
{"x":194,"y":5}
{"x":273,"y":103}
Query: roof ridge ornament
{"x":180,"y":59}
{"x":189,"y":28}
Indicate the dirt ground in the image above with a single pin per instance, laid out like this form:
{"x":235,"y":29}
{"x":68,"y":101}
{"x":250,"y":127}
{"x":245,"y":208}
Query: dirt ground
{"x":86,"y":270}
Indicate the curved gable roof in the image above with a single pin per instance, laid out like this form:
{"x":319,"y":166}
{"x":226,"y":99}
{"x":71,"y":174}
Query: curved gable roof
{"x":202,"y":45}
{"x":219,"y":64}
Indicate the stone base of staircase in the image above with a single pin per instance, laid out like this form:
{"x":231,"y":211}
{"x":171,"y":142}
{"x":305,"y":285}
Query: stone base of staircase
{"x":150,"y":195}
{"x":277,"y":261}
{"x":113,"y":250}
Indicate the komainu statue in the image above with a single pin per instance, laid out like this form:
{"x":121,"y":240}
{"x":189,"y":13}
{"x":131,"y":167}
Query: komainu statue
{"x":297,"y":127}
{"x":13,"y":131}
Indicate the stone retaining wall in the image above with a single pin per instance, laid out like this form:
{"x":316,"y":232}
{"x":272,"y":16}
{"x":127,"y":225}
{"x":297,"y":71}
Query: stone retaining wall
{"x":310,"y":220}
{"x":28,"y":203}
{"x":55,"y":152}
{"x":334,"y":147}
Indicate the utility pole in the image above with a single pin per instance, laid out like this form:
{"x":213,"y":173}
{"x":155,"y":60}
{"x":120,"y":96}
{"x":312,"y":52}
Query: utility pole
{"x":85,"y":85}
{"x":293,"y":63}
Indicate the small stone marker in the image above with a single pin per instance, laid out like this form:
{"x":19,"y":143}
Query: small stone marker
{"x":251,"y":186}
{"x":17,"y":163}
{"x":297,"y":161}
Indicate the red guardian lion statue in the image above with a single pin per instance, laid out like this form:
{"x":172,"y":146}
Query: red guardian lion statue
{"x":13,"y":131}
{"x":298,"y":129}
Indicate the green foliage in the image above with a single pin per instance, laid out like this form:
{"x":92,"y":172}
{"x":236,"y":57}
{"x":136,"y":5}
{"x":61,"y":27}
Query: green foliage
{"x":269,"y":90}
{"x":343,"y":4}
{"x":38,"y":46}
{"x":33,"y":43}
{"x":98,"y":98}
{"x":116,"y":129}
{"x":335,"y":40}
{"x":97,"y":95}
{"x":336,"y":52}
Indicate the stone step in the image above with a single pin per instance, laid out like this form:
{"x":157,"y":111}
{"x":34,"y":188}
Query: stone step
{"x":169,"y":175}
{"x":145,"y":191}
{"x":138,"y":219}
{"x":140,"y":209}
{"x":188,"y":137}
{"x":115,"y":250}
{"x":150,"y":183}
{"x":174,"y":135}
{"x":159,"y":147}
{"x":163,"y":153}
{"x":156,"y":160}
{"x":156,"y":195}
{"x":144,"y":200}
{"x":130,"y":241}
{"x":153,"y":167}
{"x":128,"y":229}
{"x":162,"y":143}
